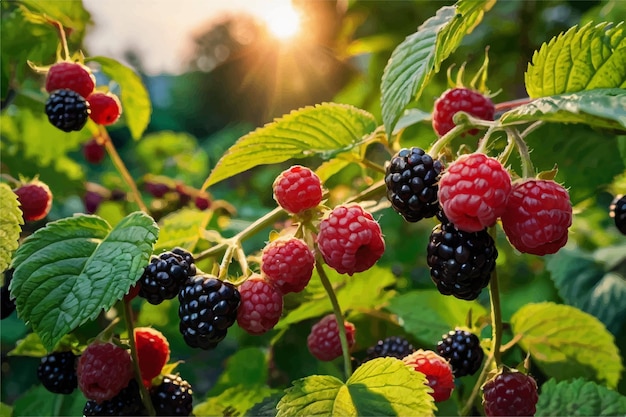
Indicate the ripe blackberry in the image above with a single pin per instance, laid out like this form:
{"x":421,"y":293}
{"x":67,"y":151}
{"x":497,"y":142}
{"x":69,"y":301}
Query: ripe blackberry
{"x":67,"y":110}
{"x":411,"y":178}
{"x":510,"y":393}
{"x":57,"y":372}
{"x":394,"y":346}
{"x":173,"y":397}
{"x":163,"y":278}
{"x":126,"y":403}
{"x":460,"y":99}
{"x":617,"y":211}
{"x":208,"y":307}
{"x":460,"y":262}
{"x":462,"y":349}
{"x":7,"y":304}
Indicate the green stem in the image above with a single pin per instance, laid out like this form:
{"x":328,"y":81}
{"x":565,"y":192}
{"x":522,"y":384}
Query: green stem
{"x":121,"y":168}
{"x":59,"y":27}
{"x":477,"y":386}
{"x":496,"y":312}
{"x":345,"y":348}
{"x":441,"y":143}
{"x":524,"y":153}
{"x":374,"y":192}
{"x":145,"y":395}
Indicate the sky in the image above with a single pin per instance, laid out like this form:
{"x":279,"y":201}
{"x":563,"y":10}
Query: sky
{"x":160,"y":30}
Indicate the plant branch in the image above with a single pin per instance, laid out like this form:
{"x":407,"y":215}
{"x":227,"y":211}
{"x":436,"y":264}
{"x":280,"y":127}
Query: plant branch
{"x":496,"y":312}
{"x":59,"y":27}
{"x":476,"y":390}
{"x":524,"y":153}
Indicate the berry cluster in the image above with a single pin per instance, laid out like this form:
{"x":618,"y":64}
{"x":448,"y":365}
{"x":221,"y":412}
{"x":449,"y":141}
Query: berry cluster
{"x":165,"y":276}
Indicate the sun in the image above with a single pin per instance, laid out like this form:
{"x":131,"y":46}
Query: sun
{"x":283,"y":21}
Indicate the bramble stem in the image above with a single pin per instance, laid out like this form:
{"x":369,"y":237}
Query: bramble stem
{"x":441,"y":143}
{"x":476,"y":390}
{"x":496,"y":313}
{"x":59,"y":26}
{"x":145,"y":395}
{"x":524,"y":153}
{"x":121,"y":168}
{"x":345,"y":349}
{"x":508,"y":105}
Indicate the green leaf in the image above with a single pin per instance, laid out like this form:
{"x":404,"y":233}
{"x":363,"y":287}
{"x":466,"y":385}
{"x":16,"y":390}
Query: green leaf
{"x":410,"y":118}
{"x":247,"y":367}
{"x":567,"y":343}
{"x":70,"y":270}
{"x":380,"y":387}
{"x":267,"y":407}
{"x":583,"y":58}
{"x":236,"y":400}
{"x":419,"y":56}
{"x":436,"y":314}
{"x":135,"y":100}
{"x":71,"y":14}
{"x":38,"y":401}
{"x":5,"y":410}
{"x":10,"y":221}
{"x":324,"y":130}
{"x":589,"y":285}
{"x":29,"y":346}
{"x":601,"y":108}
{"x":579,"y":398}
{"x":182,"y":228}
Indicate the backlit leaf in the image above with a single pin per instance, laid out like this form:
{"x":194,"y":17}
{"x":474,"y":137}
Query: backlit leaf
{"x":10,"y":221}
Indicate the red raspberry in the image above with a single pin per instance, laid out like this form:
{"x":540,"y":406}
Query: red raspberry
{"x":92,"y":200}
{"x":202,"y":202}
{"x":350,"y":240}
{"x":261,"y":305}
{"x":103,"y":370}
{"x":133,"y":291}
{"x":297,"y":189}
{"x":510,"y":393}
{"x":288,"y":264}
{"x":105,"y":108}
{"x":35,"y":200}
{"x":153,"y":352}
{"x":323,"y":341}
{"x":437,"y":370}
{"x":460,"y":99}
{"x":473,"y":191}
{"x":157,"y":189}
{"x":93,"y":152}
{"x":72,"y":76}
{"x":537,"y":217}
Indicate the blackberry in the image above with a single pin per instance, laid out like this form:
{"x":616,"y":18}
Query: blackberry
{"x":172,"y":397}
{"x":126,"y":403}
{"x":57,"y":372}
{"x":67,"y":110}
{"x":394,"y":346}
{"x":412,"y":183}
{"x":208,"y":307}
{"x":462,"y":349}
{"x":617,"y":211}
{"x":163,"y":278}
{"x":7,"y":305}
{"x":460,"y":262}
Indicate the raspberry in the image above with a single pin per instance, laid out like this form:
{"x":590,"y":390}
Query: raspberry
{"x":288,"y":264}
{"x":57,"y":372}
{"x":157,"y":189}
{"x":437,"y":370}
{"x":510,"y":393}
{"x":617,"y":211}
{"x":173,"y":397}
{"x":394,"y":346}
{"x":460,"y":99}
{"x":163,"y":278}
{"x":350,"y":240}
{"x":411,"y":178}
{"x":67,"y":110}
{"x":202,"y":202}
{"x":72,"y":76}
{"x":297,"y":189}
{"x":105,"y":108}
{"x":473,"y":191}
{"x":126,"y":403}
{"x":7,"y":304}
{"x":323,"y":341}
{"x":537,"y":217}
{"x":103,"y":370}
{"x":93,"y":152}
{"x":462,"y":349}
{"x":460,"y":262}
{"x":153,"y":352}
{"x":208,"y":307}
{"x":35,"y":200}
{"x":261,"y":305}
{"x":92,"y":201}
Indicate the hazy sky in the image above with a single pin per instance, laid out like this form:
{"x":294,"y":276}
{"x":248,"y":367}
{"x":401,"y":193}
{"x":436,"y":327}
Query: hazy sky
{"x":160,"y":30}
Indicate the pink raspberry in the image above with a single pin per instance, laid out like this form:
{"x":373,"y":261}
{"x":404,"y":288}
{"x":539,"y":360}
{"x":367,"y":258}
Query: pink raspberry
{"x":288,"y":264}
{"x":510,"y":393}
{"x":72,"y":76}
{"x":437,"y":370}
{"x":103,"y":370}
{"x":473,"y":191}
{"x":105,"y":108}
{"x":261,"y":305}
{"x":460,"y":99}
{"x":537,"y":217}
{"x":35,"y":200}
{"x":323,"y":341}
{"x":153,"y":352}
{"x":297,"y":189}
{"x":350,"y":240}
